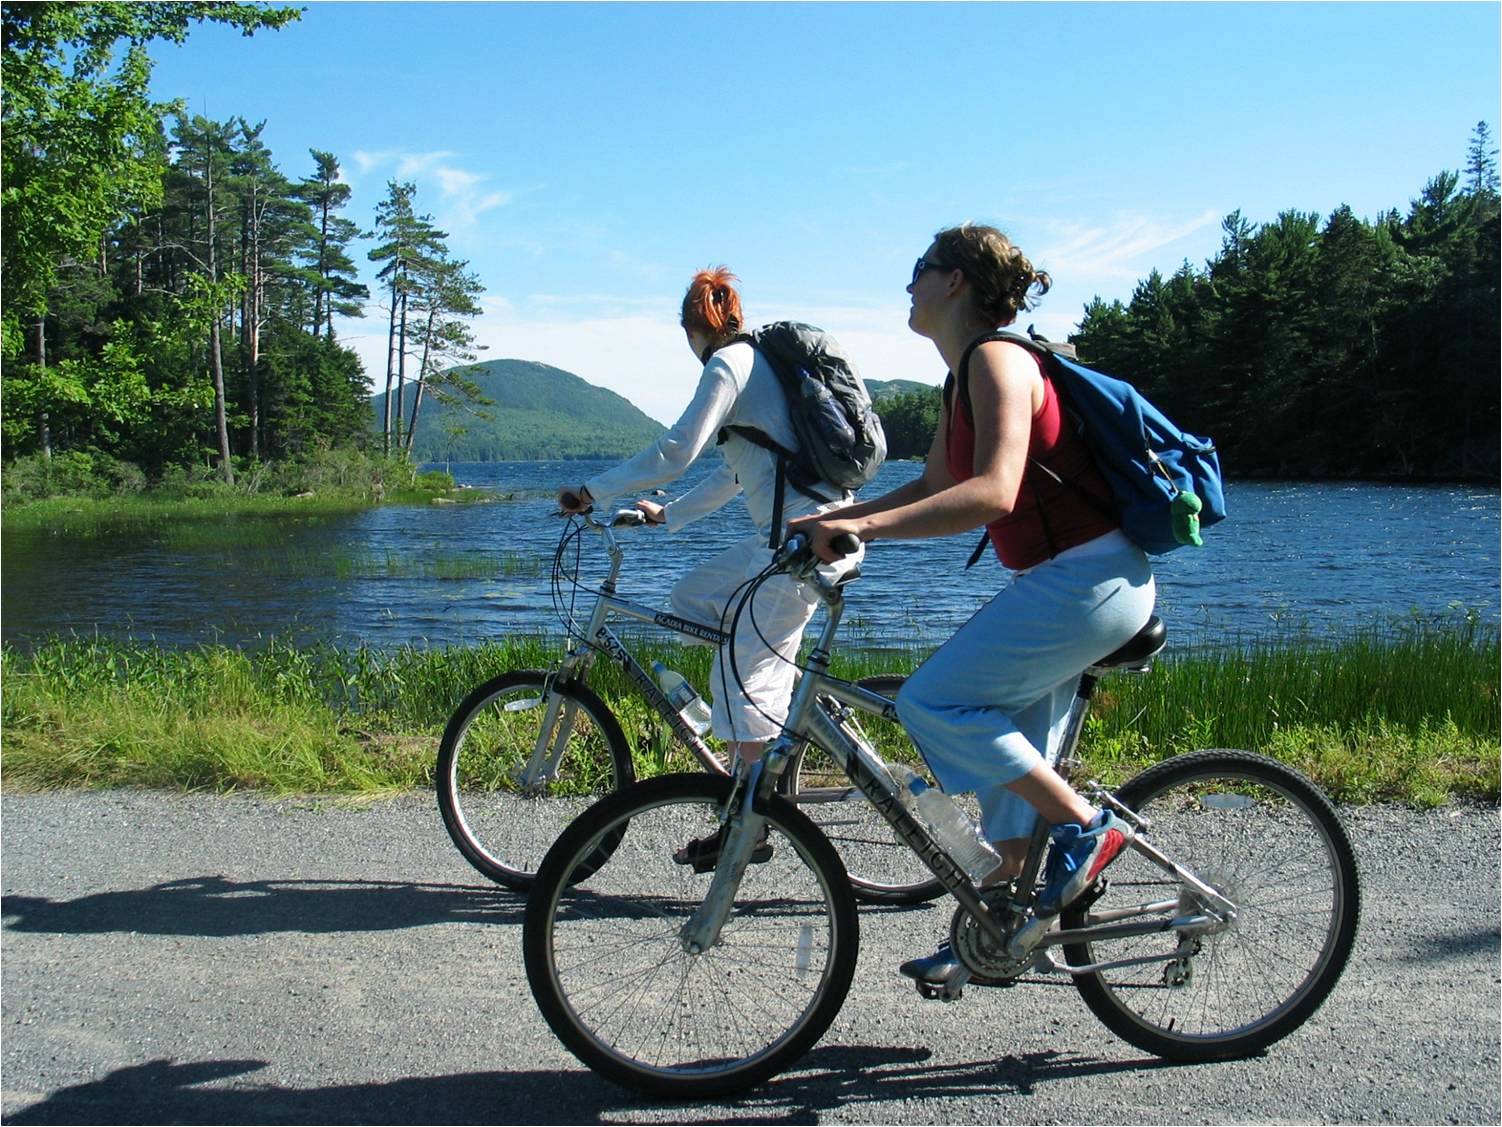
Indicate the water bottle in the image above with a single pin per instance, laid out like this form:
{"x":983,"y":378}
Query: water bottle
{"x":683,"y":697}
{"x":947,"y":824}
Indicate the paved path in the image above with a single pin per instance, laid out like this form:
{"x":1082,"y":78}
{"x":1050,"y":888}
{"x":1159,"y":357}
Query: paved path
{"x":172,"y":959}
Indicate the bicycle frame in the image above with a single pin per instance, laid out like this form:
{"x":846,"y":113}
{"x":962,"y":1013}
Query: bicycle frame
{"x":812,"y":720}
{"x":598,"y":638}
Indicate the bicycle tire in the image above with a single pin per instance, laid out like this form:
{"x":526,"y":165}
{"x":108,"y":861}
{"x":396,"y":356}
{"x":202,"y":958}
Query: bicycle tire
{"x":611,"y":977}
{"x":501,"y":832}
{"x":1267,"y":838}
{"x":882,"y":868}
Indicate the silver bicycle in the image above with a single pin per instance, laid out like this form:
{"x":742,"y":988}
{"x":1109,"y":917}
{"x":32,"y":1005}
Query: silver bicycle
{"x":1220,"y":931}
{"x":528,"y":751}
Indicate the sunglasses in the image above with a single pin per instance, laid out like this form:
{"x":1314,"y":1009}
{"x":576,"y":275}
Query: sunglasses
{"x":924,"y":264}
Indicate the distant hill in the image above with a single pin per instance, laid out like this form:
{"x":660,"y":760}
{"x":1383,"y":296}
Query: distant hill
{"x":885,"y":389}
{"x":538,"y":413}
{"x":542,"y":413}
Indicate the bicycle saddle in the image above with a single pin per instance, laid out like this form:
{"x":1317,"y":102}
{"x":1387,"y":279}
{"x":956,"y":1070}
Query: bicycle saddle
{"x":1147,"y":641}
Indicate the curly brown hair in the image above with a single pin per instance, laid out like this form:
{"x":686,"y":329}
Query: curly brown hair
{"x":1004,"y":279}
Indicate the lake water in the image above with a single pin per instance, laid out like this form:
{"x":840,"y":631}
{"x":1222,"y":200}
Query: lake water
{"x":1320,"y":558}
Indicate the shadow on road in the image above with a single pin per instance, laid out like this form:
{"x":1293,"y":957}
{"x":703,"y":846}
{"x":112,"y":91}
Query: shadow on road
{"x":215,"y":906}
{"x":167,"y":1092}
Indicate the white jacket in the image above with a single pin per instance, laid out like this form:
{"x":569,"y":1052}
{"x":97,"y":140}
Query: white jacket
{"x":737,"y":387}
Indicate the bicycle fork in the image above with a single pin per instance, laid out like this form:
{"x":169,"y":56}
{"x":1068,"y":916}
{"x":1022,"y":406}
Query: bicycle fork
{"x":743,"y":827}
{"x":557,"y":726}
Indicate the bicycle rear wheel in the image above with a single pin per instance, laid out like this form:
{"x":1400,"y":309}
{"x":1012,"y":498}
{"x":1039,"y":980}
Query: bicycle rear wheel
{"x":1266,"y":838}
{"x":504,"y":829}
{"x":608,"y":969}
{"x":883,"y":870}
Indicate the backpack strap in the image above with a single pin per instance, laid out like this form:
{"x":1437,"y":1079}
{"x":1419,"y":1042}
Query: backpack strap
{"x":783,"y":457}
{"x":1039,"y":346}
{"x":781,"y":453}
{"x":961,"y":382}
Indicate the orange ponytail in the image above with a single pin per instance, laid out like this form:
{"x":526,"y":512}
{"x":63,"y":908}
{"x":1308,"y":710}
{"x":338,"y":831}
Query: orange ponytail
{"x":712,"y":306}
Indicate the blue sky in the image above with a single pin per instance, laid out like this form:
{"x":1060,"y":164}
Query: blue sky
{"x":586,"y":158}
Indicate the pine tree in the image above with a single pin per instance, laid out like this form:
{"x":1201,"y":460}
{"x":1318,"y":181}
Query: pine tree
{"x":1481,"y":162}
{"x":337,"y":289}
{"x":205,"y":147}
{"x":408,"y":241}
{"x":445,"y":300}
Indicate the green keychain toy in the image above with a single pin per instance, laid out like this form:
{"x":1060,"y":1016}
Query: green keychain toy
{"x":1186,"y":519}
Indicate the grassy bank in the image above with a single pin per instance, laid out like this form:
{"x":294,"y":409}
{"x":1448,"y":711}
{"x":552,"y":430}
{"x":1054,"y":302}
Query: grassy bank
{"x":1411,"y":717}
{"x":74,"y":497}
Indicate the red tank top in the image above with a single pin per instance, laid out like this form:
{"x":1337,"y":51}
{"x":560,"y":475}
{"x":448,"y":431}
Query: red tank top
{"x":1048,"y":517}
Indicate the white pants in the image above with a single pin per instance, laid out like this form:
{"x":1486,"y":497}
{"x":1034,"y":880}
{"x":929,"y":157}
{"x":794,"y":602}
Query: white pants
{"x":750,"y":701}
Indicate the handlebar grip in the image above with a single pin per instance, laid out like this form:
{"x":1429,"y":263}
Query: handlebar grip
{"x":797,"y":545}
{"x":847,"y":543}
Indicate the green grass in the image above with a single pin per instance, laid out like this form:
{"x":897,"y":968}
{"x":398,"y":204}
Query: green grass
{"x":91,"y":516}
{"x":221,"y":517}
{"x":1410,"y":716}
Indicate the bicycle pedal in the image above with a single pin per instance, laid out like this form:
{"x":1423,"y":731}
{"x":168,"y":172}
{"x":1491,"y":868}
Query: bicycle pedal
{"x":1091,"y":895}
{"x":993,"y":983}
{"x":932,"y":993}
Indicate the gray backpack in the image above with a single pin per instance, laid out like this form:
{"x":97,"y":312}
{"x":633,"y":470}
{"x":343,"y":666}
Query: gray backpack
{"x":840,"y":441}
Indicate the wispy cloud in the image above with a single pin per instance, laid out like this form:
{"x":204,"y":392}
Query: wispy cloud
{"x":415,"y":164}
{"x":366,"y":161}
{"x":464,"y":195}
{"x":1117,"y":250}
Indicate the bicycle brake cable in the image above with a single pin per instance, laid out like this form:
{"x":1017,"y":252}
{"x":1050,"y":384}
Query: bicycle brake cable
{"x":746,"y":604}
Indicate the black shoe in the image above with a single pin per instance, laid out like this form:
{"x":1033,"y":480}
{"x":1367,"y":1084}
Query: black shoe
{"x":933,"y":970}
{"x":703,"y":853}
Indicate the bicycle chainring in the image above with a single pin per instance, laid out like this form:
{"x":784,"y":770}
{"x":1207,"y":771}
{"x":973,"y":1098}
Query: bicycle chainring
{"x":988,"y":962}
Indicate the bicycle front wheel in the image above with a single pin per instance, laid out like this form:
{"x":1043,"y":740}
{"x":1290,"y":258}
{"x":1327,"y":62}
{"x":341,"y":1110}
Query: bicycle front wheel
{"x":1263,"y":836}
{"x":608,"y":969}
{"x":502,"y":825}
{"x":883,"y":870}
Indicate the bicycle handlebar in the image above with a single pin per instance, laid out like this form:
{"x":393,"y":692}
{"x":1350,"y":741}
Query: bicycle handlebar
{"x":797,"y":557}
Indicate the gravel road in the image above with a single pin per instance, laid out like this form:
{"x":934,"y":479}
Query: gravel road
{"x":172,"y":959}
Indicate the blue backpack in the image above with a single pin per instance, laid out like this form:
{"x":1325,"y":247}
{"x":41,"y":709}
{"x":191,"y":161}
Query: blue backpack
{"x":1165,"y":483}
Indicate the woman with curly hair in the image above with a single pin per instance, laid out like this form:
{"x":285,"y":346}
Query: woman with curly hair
{"x":987,"y":709}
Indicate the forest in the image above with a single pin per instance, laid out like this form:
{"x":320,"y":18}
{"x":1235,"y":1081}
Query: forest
{"x":172,"y":297}
{"x":171,"y":294}
{"x":1340,"y":348}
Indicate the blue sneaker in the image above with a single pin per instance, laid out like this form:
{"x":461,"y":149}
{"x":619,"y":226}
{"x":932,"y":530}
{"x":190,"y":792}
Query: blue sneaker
{"x":1077,"y":858}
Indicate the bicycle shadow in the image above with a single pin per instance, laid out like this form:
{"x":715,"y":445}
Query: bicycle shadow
{"x":215,"y":906}
{"x":164,"y":1091}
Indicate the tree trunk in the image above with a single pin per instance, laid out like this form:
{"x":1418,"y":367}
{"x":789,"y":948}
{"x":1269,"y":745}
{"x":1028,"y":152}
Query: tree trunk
{"x":390,"y":372}
{"x":422,"y":382}
{"x":253,"y":330}
{"x":323,"y":255}
{"x":216,"y":356}
{"x":401,"y":367}
{"x":39,"y":357}
{"x":216,"y":364}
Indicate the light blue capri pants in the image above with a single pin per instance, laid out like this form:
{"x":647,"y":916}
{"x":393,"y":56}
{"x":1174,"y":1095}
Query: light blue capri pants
{"x":991,"y":703}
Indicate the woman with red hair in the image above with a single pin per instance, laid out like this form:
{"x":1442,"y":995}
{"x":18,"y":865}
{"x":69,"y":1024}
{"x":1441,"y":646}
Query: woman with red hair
{"x":737,"y":388}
